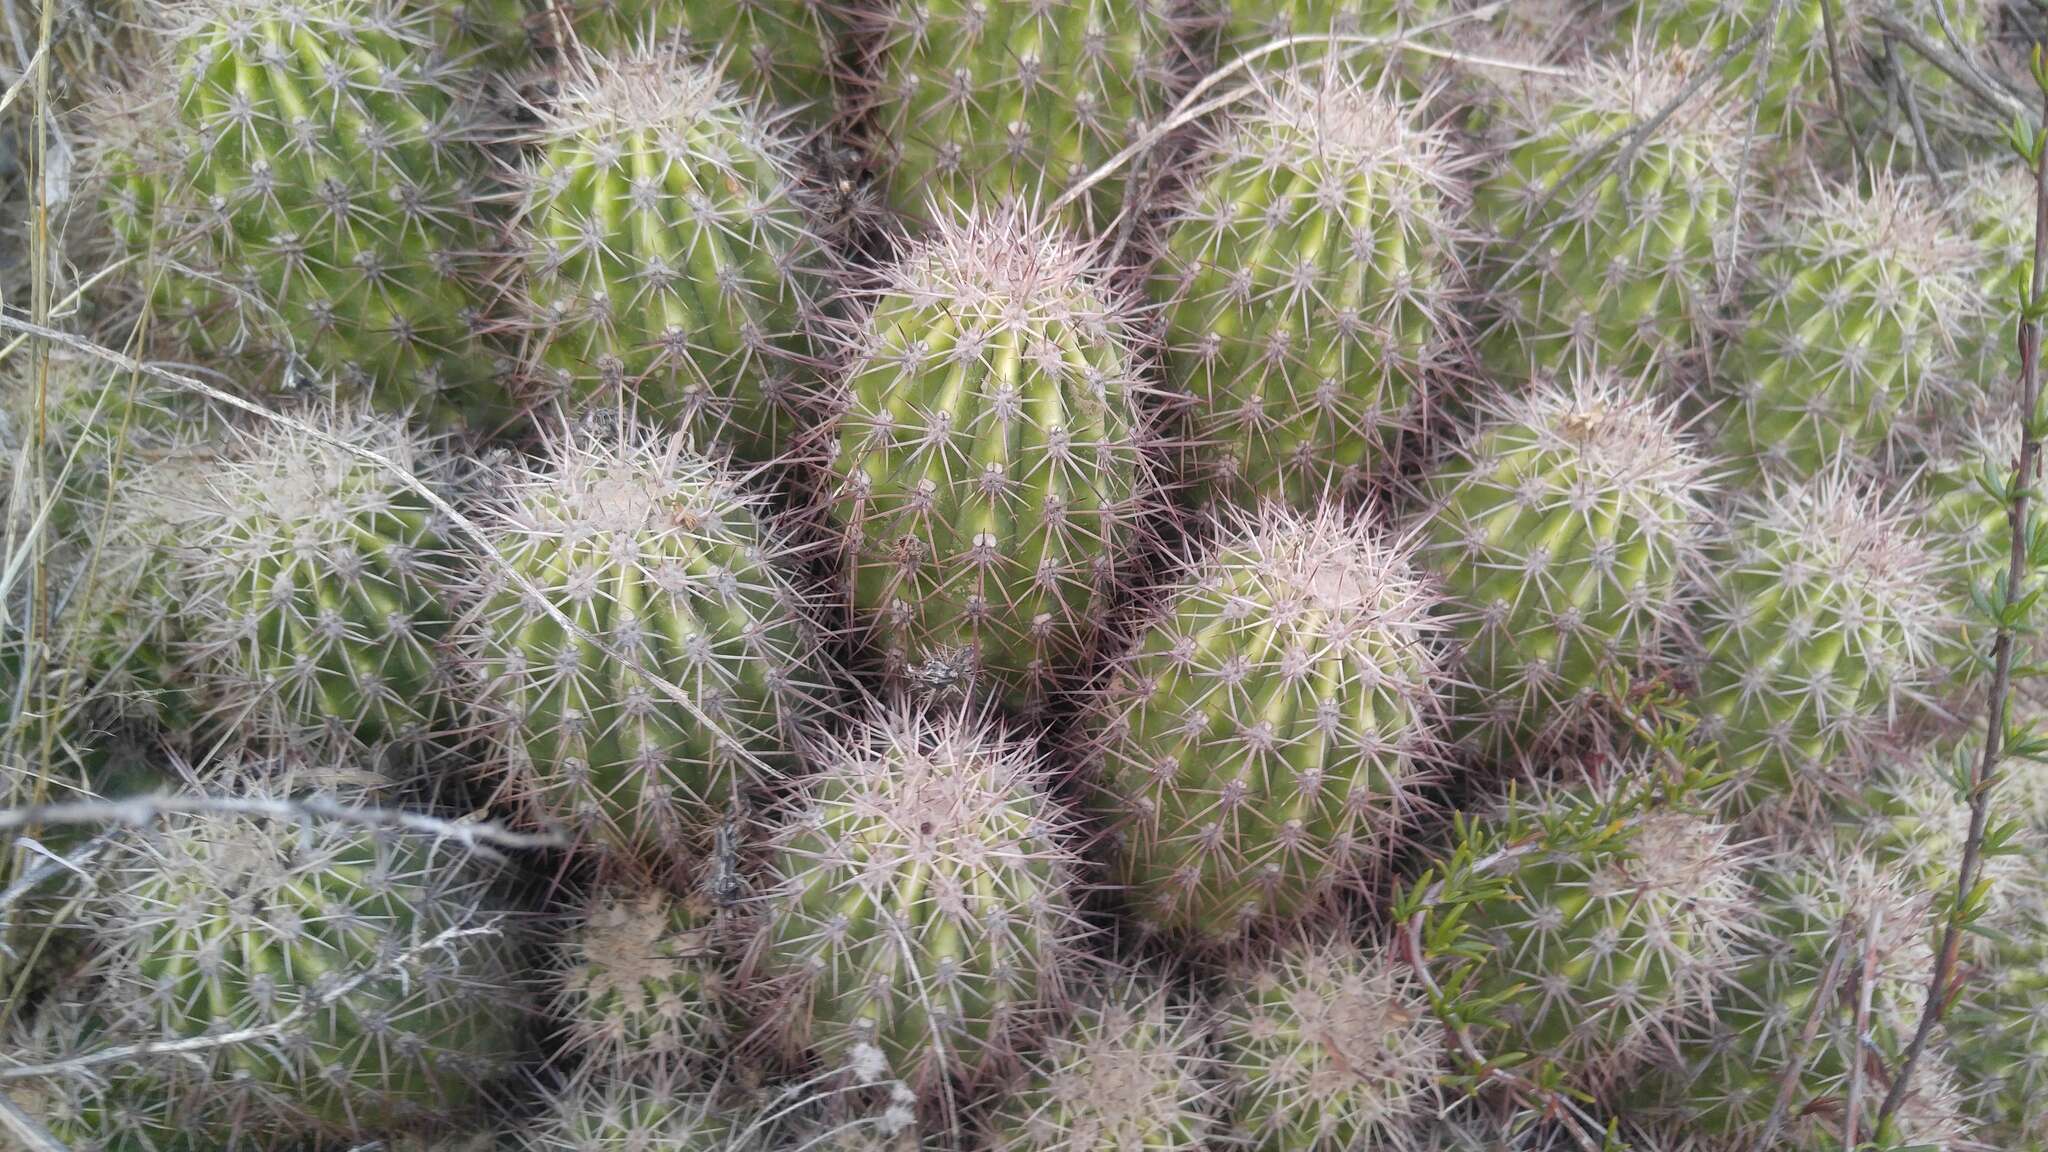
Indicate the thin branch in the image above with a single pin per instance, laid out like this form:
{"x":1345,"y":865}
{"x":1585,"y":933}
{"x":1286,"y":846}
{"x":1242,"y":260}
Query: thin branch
{"x":1191,"y":107}
{"x":1841,"y":92}
{"x":1904,"y":91}
{"x":1983,"y":774}
{"x":1860,"y":1028}
{"x":439,"y":503}
{"x":137,"y":810}
{"x":48,"y":866}
{"x":1760,"y":65}
{"x":207,"y":1043}
{"x":1788,"y":1080}
{"x":1956,"y":68}
{"x":19,"y":1124}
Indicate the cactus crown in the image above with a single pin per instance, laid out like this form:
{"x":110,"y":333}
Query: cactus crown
{"x":1329,"y":1045}
{"x":641,"y":981}
{"x":1621,"y":445}
{"x":603,"y":1112}
{"x":1330,"y":583}
{"x":1007,"y":269}
{"x":1130,"y":1071}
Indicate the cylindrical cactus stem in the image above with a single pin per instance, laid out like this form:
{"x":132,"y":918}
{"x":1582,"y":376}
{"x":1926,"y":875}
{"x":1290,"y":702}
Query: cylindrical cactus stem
{"x":1820,"y":616}
{"x":1994,"y":209}
{"x":1612,"y":923}
{"x":1307,"y":284}
{"x":1328,"y":1045}
{"x":1851,"y":328}
{"x":922,"y":912}
{"x":1269,"y":737}
{"x":664,"y":258}
{"x":380,"y":961}
{"x":1014,"y":102}
{"x":1608,"y":247}
{"x":1132,"y":1071}
{"x":987,"y":455}
{"x":318,"y":582}
{"x":1254,"y":25}
{"x":642,"y":982}
{"x":330,"y":188}
{"x":692,"y":671}
{"x":1562,"y":533}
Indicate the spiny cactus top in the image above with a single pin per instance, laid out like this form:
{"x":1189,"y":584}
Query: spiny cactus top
{"x":1562,"y":532}
{"x":668,"y":574}
{"x":1012,"y":102}
{"x":1131,"y":1072}
{"x":1249,"y":25}
{"x":663,"y":253}
{"x":331,"y":186}
{"x":1307,"y":286}
{"x":1910,"y":819}
{"x":781,"y":52}
{"x":1820,"y":617}
{"x":1329,"y":1045}
{"x":1607,"y":250}
{"x":604,"y":1112}
{"x":1995,"y":208}
{"x":1852,"y":321}
{"x":318,"y":583}
{"x":1724,"y":1079}
{"x":988,"y":455}
{"x":1268,"y":738}
{"x":642,"y":982}
{"x":1611,"y":929}
{"x":380,"y":959}
{"x":923,"y":910}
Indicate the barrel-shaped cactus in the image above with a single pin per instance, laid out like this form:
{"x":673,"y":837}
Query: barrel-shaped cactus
{"x":378,"y":962}
{"x":1821,"y":615}
{"x":318,"y":581}
{"x":1015,"y":102}
{"x":664,"y":256}
{"x":1307,"y":284}
{"x":922,"y":909}
{"x":1851,"y":328}
{"x":1607,"y":247}
{"x":2000,"y":1023}
{"x":330,"y":186}
{"x":1562,"y":534}
{"x":1609,"y":926}
{"x":1130,"y":1072}
{"x":663,"y":662}
{"x":642,"y":983}
{"x":1268,"y":738}
{"x":1249,"y":26}
{"x":1328,"y":1045}
{"x":987,"y":457}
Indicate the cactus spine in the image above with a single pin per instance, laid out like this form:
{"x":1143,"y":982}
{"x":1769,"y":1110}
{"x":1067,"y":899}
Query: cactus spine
{"x":606,"y":1113}
{"x":781,"y":52}
{"x":1268,"y":737}
{"x":1012,"y":102}
{"x":1605,"y":249}
{"x":1562,"y":533}
{"x":664,"y":256}
{"x":1329,"y":1045}
{"x":1820,"y":615}
{"x":1307,"y":287}
{"x":668,"y":573}
{"x":1129,"y":1073}
{"x":987,"y":456}
{"x":319,"y":583}
{"x":921,"y":913}
{"x":1850,"y":329}
{"x":380,"y":957}
{"x":331,"y":186}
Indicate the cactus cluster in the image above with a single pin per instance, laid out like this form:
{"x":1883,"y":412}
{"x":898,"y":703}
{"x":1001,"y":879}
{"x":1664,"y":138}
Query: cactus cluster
{"x":1032,"y":575}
